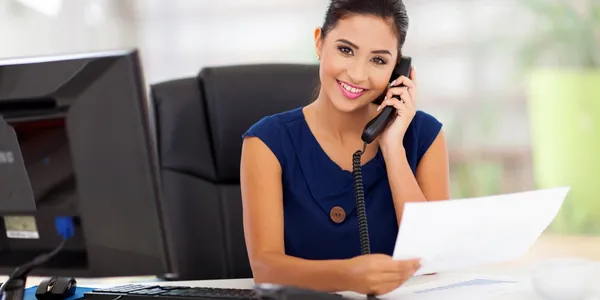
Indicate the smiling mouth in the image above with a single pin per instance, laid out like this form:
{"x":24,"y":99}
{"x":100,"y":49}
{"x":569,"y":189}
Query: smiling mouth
{"x":350,"y":91}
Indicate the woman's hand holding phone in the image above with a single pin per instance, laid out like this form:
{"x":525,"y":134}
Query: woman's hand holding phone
{"x":402,"y":96}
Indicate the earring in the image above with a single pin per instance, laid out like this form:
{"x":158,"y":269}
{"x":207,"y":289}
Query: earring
{"x":318,"y":57}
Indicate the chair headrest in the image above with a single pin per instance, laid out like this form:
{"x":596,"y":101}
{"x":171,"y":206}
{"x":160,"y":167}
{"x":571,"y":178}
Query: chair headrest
{"x":201,"y":121}
{"x":238,"y":96}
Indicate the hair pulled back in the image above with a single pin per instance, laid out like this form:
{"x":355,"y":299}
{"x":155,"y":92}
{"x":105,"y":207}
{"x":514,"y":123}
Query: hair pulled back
{"x":386,"y":9}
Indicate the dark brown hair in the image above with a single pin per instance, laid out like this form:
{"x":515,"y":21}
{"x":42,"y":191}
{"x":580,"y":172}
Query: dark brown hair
{"x":385,"y":9}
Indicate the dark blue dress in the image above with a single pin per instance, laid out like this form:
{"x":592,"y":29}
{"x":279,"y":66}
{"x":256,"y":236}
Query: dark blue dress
{"x":313,"y":185}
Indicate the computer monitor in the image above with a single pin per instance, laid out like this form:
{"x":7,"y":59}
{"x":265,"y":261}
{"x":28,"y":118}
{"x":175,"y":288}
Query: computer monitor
{"x":77,"y":139}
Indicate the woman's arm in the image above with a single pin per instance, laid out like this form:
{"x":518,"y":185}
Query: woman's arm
{"x":432,"y":177}
{"x":260,"y":176}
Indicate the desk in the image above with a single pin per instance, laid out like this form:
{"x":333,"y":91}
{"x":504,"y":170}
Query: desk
{"x":418,"y":282}
{"x":247,"y":283}
{"x":548,"y":246}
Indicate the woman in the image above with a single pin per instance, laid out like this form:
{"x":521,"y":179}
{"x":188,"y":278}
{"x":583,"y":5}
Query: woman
{"x":297,"y":187}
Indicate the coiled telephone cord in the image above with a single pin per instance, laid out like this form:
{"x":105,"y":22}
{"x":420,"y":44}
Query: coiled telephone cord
{"x":363,"y":228}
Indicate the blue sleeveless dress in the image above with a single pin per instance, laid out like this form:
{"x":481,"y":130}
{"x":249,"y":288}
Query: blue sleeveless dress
{"x":313,"y":185}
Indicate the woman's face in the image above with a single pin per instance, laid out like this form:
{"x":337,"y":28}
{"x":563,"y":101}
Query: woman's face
{"x":357,"y":59}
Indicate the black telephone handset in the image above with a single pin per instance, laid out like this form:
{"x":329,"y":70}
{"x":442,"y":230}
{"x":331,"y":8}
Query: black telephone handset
{"x":373,"y":129}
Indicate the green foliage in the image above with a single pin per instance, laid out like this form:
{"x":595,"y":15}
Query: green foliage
{"x":476,"y":179}
{"x":565,"y":35}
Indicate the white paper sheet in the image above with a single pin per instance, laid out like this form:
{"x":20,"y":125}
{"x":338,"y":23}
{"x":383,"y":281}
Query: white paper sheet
{"x":492,"y":287}
{"x":473,"y":288}
{"x":456,"y":234}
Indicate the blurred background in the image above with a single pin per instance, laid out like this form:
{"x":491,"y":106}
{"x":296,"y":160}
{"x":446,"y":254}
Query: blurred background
{"x":515,"y":82}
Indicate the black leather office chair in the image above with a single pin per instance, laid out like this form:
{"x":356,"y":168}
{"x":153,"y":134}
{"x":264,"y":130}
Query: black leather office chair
{"x":199,"y":126}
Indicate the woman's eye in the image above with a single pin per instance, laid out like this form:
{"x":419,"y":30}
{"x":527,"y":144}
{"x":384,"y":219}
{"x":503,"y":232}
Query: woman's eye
{"x":379,"y":60}
{"x":345,"y":50}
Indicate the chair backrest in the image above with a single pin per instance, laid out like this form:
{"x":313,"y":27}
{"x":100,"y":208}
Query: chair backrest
{"x":199,"y":126}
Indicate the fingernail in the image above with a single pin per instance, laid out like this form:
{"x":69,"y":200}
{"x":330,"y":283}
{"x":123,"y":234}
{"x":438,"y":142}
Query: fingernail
{"x":378,"y":108}
{"x":393,"y":82}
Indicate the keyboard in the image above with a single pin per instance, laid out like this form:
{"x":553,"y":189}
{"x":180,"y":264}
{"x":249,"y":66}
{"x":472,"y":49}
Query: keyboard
{"x":156,"y":292}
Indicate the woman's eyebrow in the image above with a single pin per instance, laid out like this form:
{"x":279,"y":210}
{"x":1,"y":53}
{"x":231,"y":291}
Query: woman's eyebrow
{"x":355,"y":46}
